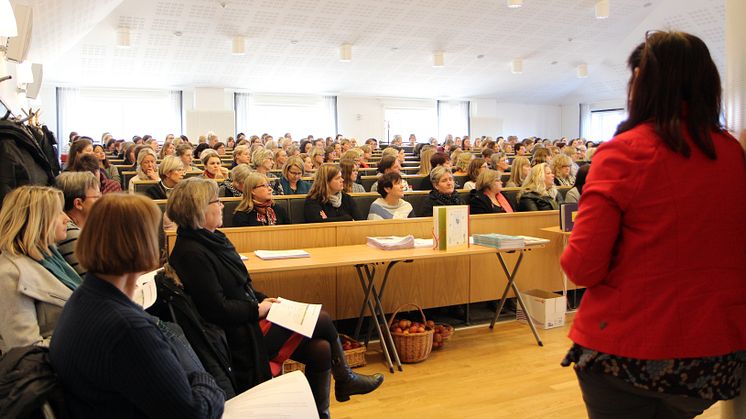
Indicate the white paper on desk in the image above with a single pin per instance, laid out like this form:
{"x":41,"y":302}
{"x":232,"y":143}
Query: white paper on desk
{"x":298,"y":317}
{"x":244,"y":257}
{"x":287,"y":396}
{"x":531,"y":241}
{"x":281,"y":254}
{"x":427,"y":243}
{"x":392,"y":242}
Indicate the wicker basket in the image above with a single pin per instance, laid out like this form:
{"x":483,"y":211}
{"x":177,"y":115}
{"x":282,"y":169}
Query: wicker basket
{"x":355,"y":358}
{"x":446,"y":335}
{"x":412,"y":347}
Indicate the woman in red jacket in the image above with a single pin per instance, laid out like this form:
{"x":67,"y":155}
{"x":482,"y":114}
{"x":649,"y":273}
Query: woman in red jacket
{"x":661,"y":331}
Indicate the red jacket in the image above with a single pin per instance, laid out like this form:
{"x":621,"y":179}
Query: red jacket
{"x":660,"y":244}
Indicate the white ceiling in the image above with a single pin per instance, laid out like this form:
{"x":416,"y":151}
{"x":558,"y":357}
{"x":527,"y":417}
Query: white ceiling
{"x":293,"y":45}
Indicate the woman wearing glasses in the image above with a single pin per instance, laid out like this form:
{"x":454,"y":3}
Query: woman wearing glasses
{"x":648,"y":249}
{"x":562,"y":167}
{"x":257,"y":208}
{"x":291,"y":181}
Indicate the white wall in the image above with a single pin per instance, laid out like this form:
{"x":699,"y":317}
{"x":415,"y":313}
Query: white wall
{"x":360,"y":117}
{"x":484,"y":119}
{"x":208,"y":109}
{"x":571,"y":120}
{"x":520,"y":119}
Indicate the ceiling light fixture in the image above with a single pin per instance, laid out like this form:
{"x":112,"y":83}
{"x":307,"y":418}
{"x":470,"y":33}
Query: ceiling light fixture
{"x":345,"y":53}
{"x":514,"y":4}
{"x":602,"y":9}
{"x":123,"y":38}
{"x":516,"y":66}
{"x":239,"y":45}
{"x":438,"y":60}
{"x":8,"y":27}
{"x":582,"y":71}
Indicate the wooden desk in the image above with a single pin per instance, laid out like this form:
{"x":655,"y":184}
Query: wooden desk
{"x":365,"y":258}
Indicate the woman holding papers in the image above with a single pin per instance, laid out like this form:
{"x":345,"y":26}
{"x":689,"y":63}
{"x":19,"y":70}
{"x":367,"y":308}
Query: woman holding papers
{"x":486,"y":198}
{"x":443,"y":193}
{"x":661,"y":331}
{"x":113,"y":359}
{"x":216,"y":278}
{"x":327,"y":201}
{"x":257,"y":208}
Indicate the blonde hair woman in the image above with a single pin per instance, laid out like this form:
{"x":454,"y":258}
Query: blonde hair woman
{"x":233,"y":187}
{"x":171,"y":172}
{"x":292,"y":174}
{"x":257,"y":208}
{"x":486,"y":197}
{"x":425,"y":165}
{"x":538,"y":192}
{"x":35,"y":280}
{"x":147,"y":169}
{"x":462,"y":164}
{"x":327,"y":201}
{"x":263,"y":161}
{"x":168,"y":149}
{"x":518,"y":172}
{"x":317,"y":157}
{"x":562,"y":167}
{"x":241,"y":155}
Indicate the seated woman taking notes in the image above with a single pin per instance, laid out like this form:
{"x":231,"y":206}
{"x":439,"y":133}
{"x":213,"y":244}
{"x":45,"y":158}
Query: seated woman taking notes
{"x":216,"y":278}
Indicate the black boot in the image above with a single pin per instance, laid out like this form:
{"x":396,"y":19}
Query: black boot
{"x":320,"y":383}
{"x":347,"y":382}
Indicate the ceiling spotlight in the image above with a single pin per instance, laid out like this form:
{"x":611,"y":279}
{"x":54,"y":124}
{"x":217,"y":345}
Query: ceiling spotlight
{"x":239,"y":45}
{"x":514,"y":4}
{"x":345,"y":53}
{"x":8,"y":26}
{"x":602,"y":9}
{"x":438,"y":59}
{"x":516,"y":66}
{"x":582,"y":71}
{"x":123,"y":38}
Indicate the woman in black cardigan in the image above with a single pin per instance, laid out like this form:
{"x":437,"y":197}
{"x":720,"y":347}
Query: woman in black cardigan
{"x":326,"y":201}
{"x":486,"y":197}
{"x":216,"y":278}
{"x":443,"y":193}
{"x":257,"y":208}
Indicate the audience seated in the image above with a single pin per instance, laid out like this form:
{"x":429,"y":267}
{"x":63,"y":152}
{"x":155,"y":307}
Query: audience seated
{"x":518,"y":172}
{"x":292,"y":172}
{"x":573,"y":195}
{"x":213,"y":166}
{"x":425,"y":154}
{"x":81,"y":190}
{"x":257,"y":208}
{"x":499,"y":162}
{"x":184,"y":152}
{"x":438,"y":159}
{"x":90,"y":163}
{"x":81,"y":146}
{"x":112,"y":358}
{"x":146,"y":167}
{"x":110,"y":171}
{"x":538,"y":192}
{"x":216,"y":278}
{"x":443,"y":193}
{"x":462,"y":164}
{"x":486,"y":197}
{"x":561,"y":167}
{"x":350,"y":176}
{"x":476,"y":166}
{"x":35,"y":280}
{"x":326,"y":201}
{"x":241,"y":155}
{"x":233,"y":186}
{"x":391,"y":203}
{"x":389,"y":164}
{"x":171,"y":172}
{"x":263,"y":162}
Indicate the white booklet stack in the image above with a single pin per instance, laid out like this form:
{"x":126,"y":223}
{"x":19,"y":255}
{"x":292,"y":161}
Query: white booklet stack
{"x":392,"y":242}
{"x":287,"y":396}
{"x":281,"y":254}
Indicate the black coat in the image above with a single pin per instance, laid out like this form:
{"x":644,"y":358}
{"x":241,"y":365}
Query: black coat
{"x":219,"y":284}
{"x":22,"y":160}
{"x":312,"y":209}
{"x":249,"y":219}
{"x":479,"y":203}
{"x":531,"y":201}
{"x":436,"y":199}
{"x":156,"y":191}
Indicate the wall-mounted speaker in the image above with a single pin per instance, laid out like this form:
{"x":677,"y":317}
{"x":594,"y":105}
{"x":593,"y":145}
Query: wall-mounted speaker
{"x":32,"y":89}
{"x":18,"y":45}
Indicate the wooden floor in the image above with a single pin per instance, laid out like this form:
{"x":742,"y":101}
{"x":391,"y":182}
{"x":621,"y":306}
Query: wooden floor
{"x":479,"y":374}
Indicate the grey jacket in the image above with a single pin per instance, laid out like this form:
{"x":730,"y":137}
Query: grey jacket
{"x":31,"y":301}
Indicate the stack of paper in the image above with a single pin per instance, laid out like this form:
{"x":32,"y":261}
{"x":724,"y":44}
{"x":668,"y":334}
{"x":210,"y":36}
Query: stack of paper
{"x":499,"y":241}
{"x":532,"y":241}
{"x":287,"y":396}
{"x":392,"y":242}
{"x":281,"y":254}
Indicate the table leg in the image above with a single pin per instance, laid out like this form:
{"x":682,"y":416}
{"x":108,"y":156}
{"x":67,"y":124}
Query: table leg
{"x":387,"y":332}
{"x":512,"y":285}
{"x":366,"y":298}
{"x":372,"y":310}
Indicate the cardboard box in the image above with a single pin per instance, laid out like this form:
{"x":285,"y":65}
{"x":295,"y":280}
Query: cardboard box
{"x":547,"y":309}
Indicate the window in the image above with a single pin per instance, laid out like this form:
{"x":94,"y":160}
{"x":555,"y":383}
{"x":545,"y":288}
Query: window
{"x":420,"y":121}
{"x":277,"y":115}
{"x":123,"y":113}
{"x":604,"y":123}
{"x":453,"y":118}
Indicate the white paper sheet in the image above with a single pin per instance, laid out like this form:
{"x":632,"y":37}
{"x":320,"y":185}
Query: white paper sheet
{"x":298,"y":317}
{"x":287,"y":396}
{"x":281,"y":254}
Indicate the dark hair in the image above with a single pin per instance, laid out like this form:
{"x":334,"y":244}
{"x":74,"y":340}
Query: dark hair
{"x":105,"y":162}
{"x":86,"y":163}
{"x":580,"y":177}
{"x":217,"y":145}
{"x":438,"y":159}
{"x":676,"y":81}
{"x":75,"y":149}
{"x":488,"y":152}
{"x":199,"y":149}
{"x":328,"y":153}
{"x":387,"y":181}
{"x":386,"y":162}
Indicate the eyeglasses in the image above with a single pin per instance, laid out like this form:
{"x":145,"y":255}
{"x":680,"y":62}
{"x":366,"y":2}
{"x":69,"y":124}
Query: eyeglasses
{"x":266,"y":185}
{"x":295,"y":173}
{"x":93,"y":196}
{"x":216,"y":201}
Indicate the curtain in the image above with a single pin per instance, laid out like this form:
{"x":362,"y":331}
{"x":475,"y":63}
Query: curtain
{"x":585,"y":120}
{"x":67,"y":104}
{"x":177,"y":112}
{"x":330,"y":103}
{"x":453,"y":118}
{"x":241,"y":107}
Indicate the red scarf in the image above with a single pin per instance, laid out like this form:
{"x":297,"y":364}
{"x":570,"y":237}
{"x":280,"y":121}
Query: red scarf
{"x":503,"y":202}
{"x":208,"y":174}
{"x":264,"y":213}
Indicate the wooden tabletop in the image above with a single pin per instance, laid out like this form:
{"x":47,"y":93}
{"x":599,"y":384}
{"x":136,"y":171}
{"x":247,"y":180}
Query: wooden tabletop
{"x":556,"y":230}
{"x":331,"y":257}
